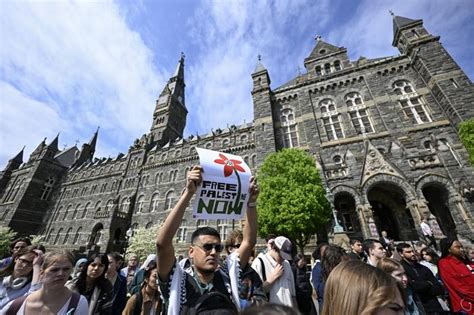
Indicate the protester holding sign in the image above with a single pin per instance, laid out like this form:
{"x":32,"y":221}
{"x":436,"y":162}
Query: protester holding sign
{"x":204,"y":284}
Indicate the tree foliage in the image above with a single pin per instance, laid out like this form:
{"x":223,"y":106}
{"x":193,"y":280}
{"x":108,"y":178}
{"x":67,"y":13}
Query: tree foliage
{"x":6,"y":237}
{"x":143,"y":242}
{"x":292,"y":200}
{"x":466,"y":133}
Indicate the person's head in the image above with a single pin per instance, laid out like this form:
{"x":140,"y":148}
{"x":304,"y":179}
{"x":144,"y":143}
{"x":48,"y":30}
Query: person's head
{"x":233,"y":241}
{"x":406,"y":252}
{"x":270,"y":309}
{"x":356,"y":245}
{"x":114,"y":262}
{"x":429,"y":255}
{"x":319,"y":251}
{"x":333,"y":256}
{"x":384,"y":234}
{"x":79,"y":266}
{"x":451,"y":246}
{"x":419,"y":246}
{"x":374,"y":249}
{"x":205,"y":249}
{"x":269,"y":240}
{"x":95,"y":268}
{"x":151,"y":277}
{"x":281,"y":249}
{"x":56,"y":267}
{"x":470,"y":253}
{"x":299,"y":260}
{"x":354,"y":287}
{"x":395,"y":269}
{"x":21,"y":265}
{"x":18,"y":244}
{"x":132,"y":260}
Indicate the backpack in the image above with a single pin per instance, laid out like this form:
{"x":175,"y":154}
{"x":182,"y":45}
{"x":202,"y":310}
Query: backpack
{"x":16,"y":305}
{"x":213,"y":302}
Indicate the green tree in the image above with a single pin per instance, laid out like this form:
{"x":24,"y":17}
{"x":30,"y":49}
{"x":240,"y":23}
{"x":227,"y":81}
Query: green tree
{"x":143,"y":242}
{"x":6,"y":236}
{"x":466,"y":133}
{"x":292,"y":200}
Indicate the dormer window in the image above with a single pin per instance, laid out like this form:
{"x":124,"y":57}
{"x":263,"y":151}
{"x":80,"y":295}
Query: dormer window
{"x":337,"y":65}
{"x":327,"y":68}
{"x":318,"y":70}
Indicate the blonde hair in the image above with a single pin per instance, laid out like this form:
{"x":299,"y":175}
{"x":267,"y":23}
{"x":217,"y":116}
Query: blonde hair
{"x":389,"y":265}
{"x":354,"y":287}
{"x":55,"y":255}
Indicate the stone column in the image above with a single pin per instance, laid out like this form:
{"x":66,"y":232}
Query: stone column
{"x":369,"y":229}
{"x":458,"y":202}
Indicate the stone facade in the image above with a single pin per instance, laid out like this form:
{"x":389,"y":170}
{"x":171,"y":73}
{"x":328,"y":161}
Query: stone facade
{"x":383,"y":132}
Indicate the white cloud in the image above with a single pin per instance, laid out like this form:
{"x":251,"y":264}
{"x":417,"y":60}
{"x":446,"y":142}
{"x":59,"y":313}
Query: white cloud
{"x":81,"y":61}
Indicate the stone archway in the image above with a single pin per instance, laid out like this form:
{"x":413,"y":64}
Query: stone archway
{"x":389,"y":207}
{"x":437,"y":197}
{"x":345,"y":205}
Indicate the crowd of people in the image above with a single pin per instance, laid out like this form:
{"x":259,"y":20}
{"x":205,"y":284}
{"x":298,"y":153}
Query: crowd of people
{"x":376,"y":276}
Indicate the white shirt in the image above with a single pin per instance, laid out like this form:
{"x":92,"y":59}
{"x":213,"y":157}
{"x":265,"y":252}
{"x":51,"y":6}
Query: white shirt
{"x":283,"y":289}
{"x":426,"y":229}
{"x":81,"y":309}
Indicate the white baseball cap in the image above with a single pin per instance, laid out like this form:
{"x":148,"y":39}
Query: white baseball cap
{"x":284,"y":245}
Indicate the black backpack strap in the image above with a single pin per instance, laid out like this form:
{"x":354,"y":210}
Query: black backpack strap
{"x":264,"y":274}
{"x":15,"y":306}
{"x":137,"y":309}
{"x":75,"y":297}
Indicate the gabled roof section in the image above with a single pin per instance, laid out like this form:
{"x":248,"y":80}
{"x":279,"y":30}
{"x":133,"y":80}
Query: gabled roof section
{"x":54,"y":144}
{"x":323,"y":49}
{"x":400,"y":22}
{"x":19,"y":157}
{"x":375,"y":163}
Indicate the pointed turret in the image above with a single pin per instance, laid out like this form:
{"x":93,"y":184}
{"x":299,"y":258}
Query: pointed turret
{"x":19,"y":157}
{"x":53,"y":146}
{"x":260,"y":76}
{"x":87,"y":151}
{"x":169,"y":117}
{"x":13,"y":164}
{"x":38,"y":151}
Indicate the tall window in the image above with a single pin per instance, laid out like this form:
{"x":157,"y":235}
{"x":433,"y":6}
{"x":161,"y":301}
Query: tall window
{"x":181,"y":234}
{"x":140,"y":203}
{"x":290,"y":132}
{"x":47,"y":188}
{"x":327,"y":68}
{"x":331,"y":122}
{"x":76,"y":210}
{"x":76,"y":237}
{"x":412,"y":104}
{"x":154,"y":202}
{"x":66,"y":237}
{"x":57,"y":236}
{"x":169,"y":200}
{"x":109,"y":206}
{"x":358,"y":113}
{"x":125,"y":204}
{"x":86,"y":208}
{"x":318,"y":71}
{"x":337,"y":65}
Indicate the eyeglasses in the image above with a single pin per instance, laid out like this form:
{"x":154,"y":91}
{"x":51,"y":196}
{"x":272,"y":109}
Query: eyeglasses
{"x":209,"y":246}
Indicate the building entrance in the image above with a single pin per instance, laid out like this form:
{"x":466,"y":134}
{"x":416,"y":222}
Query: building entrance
{"x":438,"y":203}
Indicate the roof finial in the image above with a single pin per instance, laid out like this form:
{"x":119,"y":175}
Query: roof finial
{"x":259,"y":57}
{"x":391,"y":13}
{"x":318,"y":37}
{"x":182,"y":56}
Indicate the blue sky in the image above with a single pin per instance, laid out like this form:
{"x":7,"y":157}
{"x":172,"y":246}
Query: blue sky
{"x":69,"y":66}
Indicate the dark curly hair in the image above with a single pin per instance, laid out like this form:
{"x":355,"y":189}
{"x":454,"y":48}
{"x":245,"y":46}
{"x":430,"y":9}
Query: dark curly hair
{"x":333,"y":255}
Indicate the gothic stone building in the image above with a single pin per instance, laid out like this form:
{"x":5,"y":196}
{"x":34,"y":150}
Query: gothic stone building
{"x":383,"y":132}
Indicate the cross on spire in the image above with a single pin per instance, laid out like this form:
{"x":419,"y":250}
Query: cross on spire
{"x":391,"y":13}
{"x":259,"y":57}
{"x":318,"y":37}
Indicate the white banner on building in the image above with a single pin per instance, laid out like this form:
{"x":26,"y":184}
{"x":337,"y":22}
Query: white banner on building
{"x":223,"y":193}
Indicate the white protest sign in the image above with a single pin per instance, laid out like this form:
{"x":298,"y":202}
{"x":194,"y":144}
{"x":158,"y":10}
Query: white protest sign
{"x":223,"y":193}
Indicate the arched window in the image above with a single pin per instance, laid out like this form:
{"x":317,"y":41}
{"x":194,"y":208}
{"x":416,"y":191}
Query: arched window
{"x":169,"y":200}
{"x":225,"y":143}
{"x":66,"y":237}
{"x":109,"y":206}
{"x":181,"y":234}
{"x":76,"y":237}
{"x":47,"y":188}
{"x":76,"y":210}
{"x":154,"y":202}
{"x":49,"y":235}
{"x":289,"y":128}
{"x":16,"y":187}
{"x":254,"y":160}
{"x":327,"y":68}
{"x":243,"y":139}
{"x":57,"y":236}
{"x":124,"y":206}
{"x":412,"y":104}
{"x":148,"y":225}
{"x":358,"y":113}
{"x":66,"y":212}
{"x":140,"y":204}
{"x":86,"y":208}
{"x":331,"y":122}
{"x":97,"y":207}
{"x":337,"y":65}
{"x":318,"y":70}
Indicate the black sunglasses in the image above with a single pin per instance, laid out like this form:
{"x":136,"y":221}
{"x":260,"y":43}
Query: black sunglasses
{"x":209,"y":246}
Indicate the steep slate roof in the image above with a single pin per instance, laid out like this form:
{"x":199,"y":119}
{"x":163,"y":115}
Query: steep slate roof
{"x":322,"y":45}
{"x":399,"y":22}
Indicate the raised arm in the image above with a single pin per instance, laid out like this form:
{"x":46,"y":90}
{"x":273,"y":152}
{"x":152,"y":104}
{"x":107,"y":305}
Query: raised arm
{"x":164,"y":240}
{"x":251,"y":226}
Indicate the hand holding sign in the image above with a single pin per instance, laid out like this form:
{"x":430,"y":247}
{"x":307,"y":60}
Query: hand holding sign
{"x":223,"y":193}
{"x":194,"y":178}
